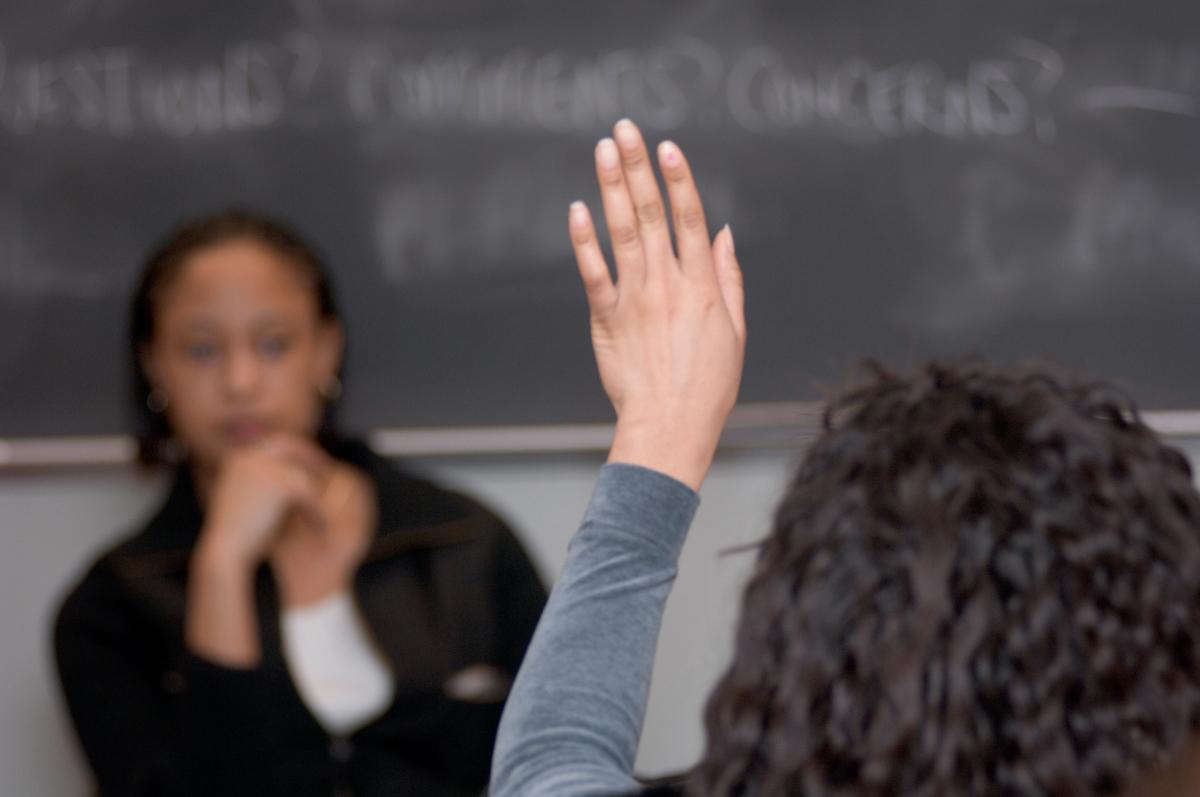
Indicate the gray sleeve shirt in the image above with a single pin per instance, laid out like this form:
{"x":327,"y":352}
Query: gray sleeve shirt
{"x":573,"y":720}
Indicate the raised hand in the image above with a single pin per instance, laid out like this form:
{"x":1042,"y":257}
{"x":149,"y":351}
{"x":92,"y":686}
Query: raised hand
{"x":669,"y":334}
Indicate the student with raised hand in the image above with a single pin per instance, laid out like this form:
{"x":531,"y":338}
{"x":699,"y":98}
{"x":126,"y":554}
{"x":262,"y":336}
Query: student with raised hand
{"x":978,"y":582}
{"x":300,"y":616}
{"x":668,"y":336}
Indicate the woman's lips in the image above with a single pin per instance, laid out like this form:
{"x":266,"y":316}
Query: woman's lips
{"x":244,"y":430}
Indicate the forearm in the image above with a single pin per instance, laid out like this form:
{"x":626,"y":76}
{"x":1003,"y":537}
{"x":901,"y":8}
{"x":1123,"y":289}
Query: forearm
{"x":221,"y":624}
{"x":575,"y":714}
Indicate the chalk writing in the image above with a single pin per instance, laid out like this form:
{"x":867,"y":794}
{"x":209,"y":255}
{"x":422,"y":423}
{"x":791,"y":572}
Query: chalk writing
{"x":114,"y":91}
{"x":994,"y":97}
{"x":1125,"y":220}
{"x":517,"y":207}
{"x":1107,"y":226}
{"x":758,"y":88}
{"x":552,"y":91}
{"x":1106,"y":98}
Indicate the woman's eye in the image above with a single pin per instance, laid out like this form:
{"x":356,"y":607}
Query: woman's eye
{"x":200,"y":351}
{"x":274,"y":346}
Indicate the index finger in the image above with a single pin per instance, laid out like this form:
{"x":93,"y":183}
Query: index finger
{"x":619,"y":214}
{"x":691,"y":228}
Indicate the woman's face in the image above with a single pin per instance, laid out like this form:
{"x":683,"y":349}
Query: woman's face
{"x":239,"y":349}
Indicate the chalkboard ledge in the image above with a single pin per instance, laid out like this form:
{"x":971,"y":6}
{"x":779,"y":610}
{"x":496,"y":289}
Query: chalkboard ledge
{"x":766,"y":426}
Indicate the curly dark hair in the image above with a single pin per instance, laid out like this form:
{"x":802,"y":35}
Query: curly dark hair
{"x":976,"y":583}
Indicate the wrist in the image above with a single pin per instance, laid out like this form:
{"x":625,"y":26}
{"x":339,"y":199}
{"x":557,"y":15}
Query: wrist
{"x":217,"y":555}
{"x":682,"y":450}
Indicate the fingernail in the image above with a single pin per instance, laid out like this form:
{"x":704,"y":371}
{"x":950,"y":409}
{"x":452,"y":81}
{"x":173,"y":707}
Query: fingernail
{"x":578,"y":214}
{"x":606,"y":153}
{"x":732,"y":248}
{"x":669,"y":153}
{"x":626,"y":132}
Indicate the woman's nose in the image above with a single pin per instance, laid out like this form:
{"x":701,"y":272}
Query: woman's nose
{"x":242,"y":372}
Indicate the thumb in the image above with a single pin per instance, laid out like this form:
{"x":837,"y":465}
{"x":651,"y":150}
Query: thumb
{"x":729,"y":279}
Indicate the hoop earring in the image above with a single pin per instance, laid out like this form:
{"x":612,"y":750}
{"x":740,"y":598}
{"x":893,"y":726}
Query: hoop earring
{"x":330,"y":389}
{"x":157,"y":401}
{"x":172,"y":450}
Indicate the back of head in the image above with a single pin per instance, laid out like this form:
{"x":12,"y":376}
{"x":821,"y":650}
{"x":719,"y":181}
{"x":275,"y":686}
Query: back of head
{"x":976,"y":583}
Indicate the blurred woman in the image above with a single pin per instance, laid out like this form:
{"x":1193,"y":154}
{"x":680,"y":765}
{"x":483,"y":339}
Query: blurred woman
{"x":300,"y":616}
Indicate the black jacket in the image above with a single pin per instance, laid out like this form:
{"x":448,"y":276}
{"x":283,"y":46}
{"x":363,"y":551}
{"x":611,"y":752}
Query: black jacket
{"x":444,"y":586}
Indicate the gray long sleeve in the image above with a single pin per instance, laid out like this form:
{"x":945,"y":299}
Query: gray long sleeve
{"x":573,"y":720}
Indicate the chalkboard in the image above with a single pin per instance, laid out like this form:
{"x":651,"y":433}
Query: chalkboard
{"x":905,"y":179}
